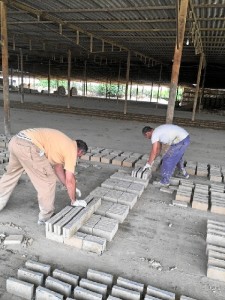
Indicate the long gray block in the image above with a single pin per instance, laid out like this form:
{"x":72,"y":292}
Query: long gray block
{"x":125,"y":294}
{"x":46,"y":294}
{"x":101,"y":277}
{"x":94,"y":244}
{"x":30,"y":276}
{"x":38,"y":267}
{"x":58,"y":286}
{"x":186,"y":298}
{"x":49,"y":223}
{"x":66,"y":277}
{"x":94,"y":286}
{"x":147,"y":297}
{"x":129,"y":284}
{"x":20,"y":288}
{"x":156,"y":292}
{"x":113,"y":210}
{"x":84,"y":294}
{"x":113,"y":298}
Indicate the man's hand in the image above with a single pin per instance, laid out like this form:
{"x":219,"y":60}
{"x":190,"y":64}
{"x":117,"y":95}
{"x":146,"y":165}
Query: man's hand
{"x":147,"y":167}
{"x":79,"y":203}
{"x":78,"y":193}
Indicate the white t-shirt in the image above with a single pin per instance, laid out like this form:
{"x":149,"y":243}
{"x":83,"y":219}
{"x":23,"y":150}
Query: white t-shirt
{"x":168,"y":134}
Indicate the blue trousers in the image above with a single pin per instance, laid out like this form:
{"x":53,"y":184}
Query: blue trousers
{"x":173,"y":158}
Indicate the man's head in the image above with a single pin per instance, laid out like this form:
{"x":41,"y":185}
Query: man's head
{"x":147,"y":132}
{"x":82,"y":148}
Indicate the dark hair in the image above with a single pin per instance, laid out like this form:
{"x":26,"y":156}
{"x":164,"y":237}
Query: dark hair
{"x":82,"y":146}
{"x":146,"y":129}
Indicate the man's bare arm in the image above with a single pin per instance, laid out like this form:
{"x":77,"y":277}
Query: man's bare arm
{"x":60,"y":173}
{"x":71,"y":185}
{"x":156,"y":148}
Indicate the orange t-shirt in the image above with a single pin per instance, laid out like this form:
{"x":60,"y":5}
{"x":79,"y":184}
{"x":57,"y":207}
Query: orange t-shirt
{"x":58,"y":147}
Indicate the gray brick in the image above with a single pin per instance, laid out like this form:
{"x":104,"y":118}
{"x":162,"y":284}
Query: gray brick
{"x":216,"y":238}
{"x":66,"y":277}
{"x":129,"y":284}
{"x":113,"y":210}
{"x":156,"y":292}
{"x":186,"y":298}
{"x":20,"y":288}
{"x":38,"y":267}
{"x":106,"y":228}
{"x":107,"y":159}
{"x":90,"y":224}
{"x":46,"y":294}
{"x":125,"y":294}
{"x":147,"y":297}
{"x":30,"y":276}
{"x":216,"y":262}
{"x":99,"y":192}
{"x":49,"y":224}
{"x":117,"y":161}
{"x":180,"y":203}
{"x":84,"y":294}
{"x":54,"y":237}
{"x":101,"y":277}
{"x":113,"y":298}
{"x":94,"y":244}
{"x":183,"y":196}
{"x":94,"y":286}
{"x":214,"y":248}
{"x":58,"y":286}
{"x":216,"y":273}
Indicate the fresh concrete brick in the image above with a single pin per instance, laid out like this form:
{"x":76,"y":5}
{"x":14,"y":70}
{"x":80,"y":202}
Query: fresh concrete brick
{"x":216,"y":238}
{"x":129,"y":284}
{"x":14,"y":239}
{"x":76,"y":240}
{"x":166,"y":190}
{"x":46,"y":294}
{"x":127,"y":177}
{"x":180,"y":203}
{"x":183,"y":196}
{"x":86,"y":156}
{"x":38,"y":267}
{"x":49,"y":223}
{"x":200,"y":204}
{"x":113,"y":298}
{"x":54,"y":237}
{"x":94,"y":286}
{"x":30,"y":276}
{"x":216,"y":273}
{"x":58,"y":286}
{"x":136,"y":188}
{"x":90,"y":224}
{"x":70,"y":228}
{"x":214,"y":248}
{"x":129,"y":162}
{"x":107,"y":159}
{"x":174,"y":181}
{"x":113,"y":210}
{"x":99,"y":192}
{"x":72,"y":279}
{"x":94,"y":244}
{"x":20,"y":288}
{"x":101,"y":277}
{"x":106,"y":228}
{"x":156,"y":292}
{"x":117,"y":161}
{"x":84,"y":294}
{"x":186,"y":298}
{"x":216,"y":262}
{"x":124,"y":293}
{"x":113,"y":195}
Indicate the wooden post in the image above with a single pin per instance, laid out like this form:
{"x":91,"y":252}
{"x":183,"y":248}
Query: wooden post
{"x":159,"y":85}
{"x":197,"y":86}
{"x":118,"y":84}
{"x":202,"y":91}
{"x":68,"y":78}
{"x":49,"y":76}
{"x":127,"y":82}
{"x":5,"y":67}
{"x":21,"y":69}
{"x":177,"y":59}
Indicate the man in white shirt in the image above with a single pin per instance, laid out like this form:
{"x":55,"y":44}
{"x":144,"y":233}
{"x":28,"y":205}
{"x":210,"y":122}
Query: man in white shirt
{"x":177,"y":139}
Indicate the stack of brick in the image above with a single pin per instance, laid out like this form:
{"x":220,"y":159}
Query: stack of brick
{"x":217,"y":199}
{"x":201,"y":197}
{"x":37,"y":280}
{"x":191,"y":167}
{"x":202,"y":169}
{"x":216,"y":250}
{"x":139,"y":173}
{"x":184,"y":193}
{"x":215,"y":173}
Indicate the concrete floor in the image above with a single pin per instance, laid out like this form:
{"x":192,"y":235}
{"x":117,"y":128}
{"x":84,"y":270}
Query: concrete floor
{"x":144,"y":236}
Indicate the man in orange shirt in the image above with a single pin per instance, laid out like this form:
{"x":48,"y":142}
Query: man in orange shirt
{"x":45,"y":154}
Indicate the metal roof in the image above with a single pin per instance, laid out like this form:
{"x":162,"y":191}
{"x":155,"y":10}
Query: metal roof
{"x":102,"y":31}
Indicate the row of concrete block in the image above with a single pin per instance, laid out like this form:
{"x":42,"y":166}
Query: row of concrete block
{"x":38,"y":280}
{"x":215,"y":250}
{"x":92,"y":227}
{"x":214,"y":172}
{"x":201,"y":196}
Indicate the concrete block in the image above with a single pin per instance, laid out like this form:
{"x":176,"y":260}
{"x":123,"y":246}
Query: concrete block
{"x":86,"y":156}
{"x":113,"y":195}
{"x":174,"y":181}
{"x":216,"y":262}
{"x":186,"y":298}
{"x":218,"y":208}
{"x":13,"y":239}
{"x":70,"y":228}
{"x":117,"y":161}
{"x":94,"y":286}
{"x":122,"y":185}
{"x":46,"y":294}
{"x":131,"y":285}
{"x":216,"y":238}
{"x":38,"y":267}
{"x":216,"y":273}
{"x":185,"y":188}
{"x":99,"y":192}
{"x":166,"y":190}
{"x":69,"y":278}
{"x":49,"y":223}
{"x":94,"y":244}
{"x":58,"y":286}
{"x":214,"y":248}
{"x":201,"y":205}
{"x":110,"y":183}
{"x":107,"y":159}
{"x":101,"y":277}
{"x":125,"y":294}
{"x":54,"y":237}
{"x":136,"y":188}
{"x":183,"y":196}
{"x":20,"y":288}
{"x":84,"y":294}
{"x":215,"y":223}
{"x":129,"y":162}
{"x":30,"y":276}
{"x":76,"y":240}
{"x":218,"y":195}
{"x":156,"y":292}
{"x":106,"y":228}
{"x":180,"y":203}
{"x":113,"y":210}
{"x":90,"y":224}
{"x":96,"y":157}
{"x":129,"y":178}
{"x":113,"y":298}
{"x":116,"y":152}
{"x":147,"y":297}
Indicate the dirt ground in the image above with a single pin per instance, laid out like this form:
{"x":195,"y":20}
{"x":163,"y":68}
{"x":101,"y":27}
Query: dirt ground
{"x":154,"y":230}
